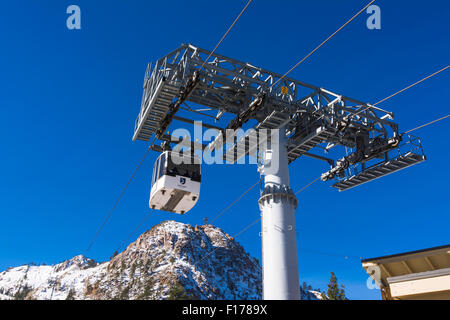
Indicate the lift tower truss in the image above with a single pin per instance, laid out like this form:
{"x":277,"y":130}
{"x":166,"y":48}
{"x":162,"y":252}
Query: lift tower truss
{"x":308,"y":118}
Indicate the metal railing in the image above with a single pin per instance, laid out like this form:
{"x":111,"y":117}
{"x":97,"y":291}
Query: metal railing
{"x":409,"y":144}
{"x":151,"y":82}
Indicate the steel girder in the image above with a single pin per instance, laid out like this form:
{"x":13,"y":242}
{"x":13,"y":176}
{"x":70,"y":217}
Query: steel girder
{"x":230,"y":86}
{"x":311,"y":115}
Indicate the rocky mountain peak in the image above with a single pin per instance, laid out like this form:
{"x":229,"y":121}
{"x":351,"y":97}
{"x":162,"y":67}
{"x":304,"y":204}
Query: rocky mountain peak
{"x":172,"y":260}
{"x":79,"y":262}
{"x":201,"y":262}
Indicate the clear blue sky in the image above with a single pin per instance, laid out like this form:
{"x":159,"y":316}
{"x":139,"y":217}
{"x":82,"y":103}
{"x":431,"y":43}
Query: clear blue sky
{"x":69,"y":100}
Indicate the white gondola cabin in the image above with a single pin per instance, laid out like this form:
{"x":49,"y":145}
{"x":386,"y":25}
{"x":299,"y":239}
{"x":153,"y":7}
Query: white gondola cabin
{"x":176,"y":182}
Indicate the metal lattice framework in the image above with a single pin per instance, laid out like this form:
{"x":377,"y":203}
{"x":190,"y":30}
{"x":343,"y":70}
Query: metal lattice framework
{"x":310,"y":114}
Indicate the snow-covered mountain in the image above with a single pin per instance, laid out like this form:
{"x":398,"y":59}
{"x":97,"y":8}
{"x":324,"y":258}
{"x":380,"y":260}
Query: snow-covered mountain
{"x":172,"y":260}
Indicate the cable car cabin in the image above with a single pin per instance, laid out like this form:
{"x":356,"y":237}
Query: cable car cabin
{"x":176,"y":182}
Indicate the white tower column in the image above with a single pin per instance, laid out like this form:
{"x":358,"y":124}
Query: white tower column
{"x":278,"y":204}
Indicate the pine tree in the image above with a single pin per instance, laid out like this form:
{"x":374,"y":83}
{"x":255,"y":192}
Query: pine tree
{"x":177,"y":292}
{"x":114,"y":254}
{"x":148,"y":289}
{"x":334,"y":292}
{"x":125,"y":294}
{"x":304,"y":286}
{"x":22,"y":293}
{"x":92,"y":264}
{"x":71,"y":295}
{"x":342,"y":293}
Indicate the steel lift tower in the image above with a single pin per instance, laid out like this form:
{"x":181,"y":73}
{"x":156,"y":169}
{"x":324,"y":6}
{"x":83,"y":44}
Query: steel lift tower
{"x":287,"y":120}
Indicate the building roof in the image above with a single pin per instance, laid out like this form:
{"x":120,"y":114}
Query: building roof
{"x":426,"y":252}
{"x":426,"y":263}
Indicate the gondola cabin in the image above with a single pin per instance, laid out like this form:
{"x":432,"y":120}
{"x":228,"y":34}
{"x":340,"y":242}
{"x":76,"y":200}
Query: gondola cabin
{"x":176,"y":182}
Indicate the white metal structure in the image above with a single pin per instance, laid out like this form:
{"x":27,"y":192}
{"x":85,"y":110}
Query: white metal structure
{"x":308,"y":118}
{"x":176,"y":183}
{"x":278,"y":204}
